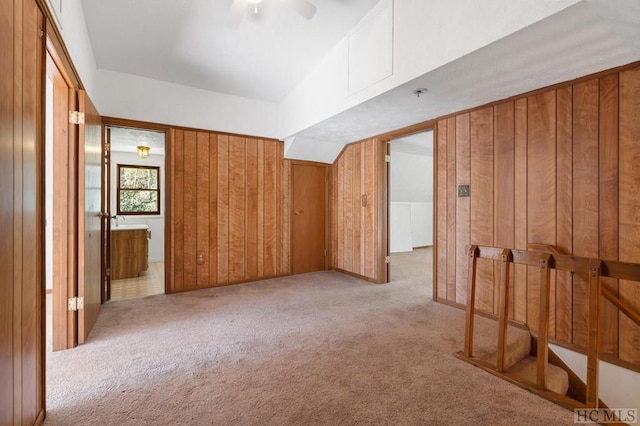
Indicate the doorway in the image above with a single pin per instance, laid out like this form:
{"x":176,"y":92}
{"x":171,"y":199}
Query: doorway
{"x":309,"y":219}
{"x":135,"y":185}
{"x":411,"y":189}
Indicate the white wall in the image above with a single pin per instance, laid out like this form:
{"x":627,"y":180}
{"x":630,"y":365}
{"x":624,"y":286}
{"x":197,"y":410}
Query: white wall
{"x":618,"y":387}
{"x":155,"y":222}
{"x":425,"y":36}
{"x":411,"y":201}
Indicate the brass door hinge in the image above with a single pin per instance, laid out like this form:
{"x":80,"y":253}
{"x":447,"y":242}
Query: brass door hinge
{"x":76,"y":117}
{"x":387,"y":158}
{"x":387,"y":259}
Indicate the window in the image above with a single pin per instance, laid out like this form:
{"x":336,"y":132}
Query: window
{"x":138,"y":189}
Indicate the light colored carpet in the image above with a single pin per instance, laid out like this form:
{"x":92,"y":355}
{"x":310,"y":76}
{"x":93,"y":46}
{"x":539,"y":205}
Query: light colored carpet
{"x":320,"y":348}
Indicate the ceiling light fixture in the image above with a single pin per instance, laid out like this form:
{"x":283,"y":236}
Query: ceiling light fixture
{"x":143,"y":151}
{"x":255,"y":3}
{"x":419,"y":91}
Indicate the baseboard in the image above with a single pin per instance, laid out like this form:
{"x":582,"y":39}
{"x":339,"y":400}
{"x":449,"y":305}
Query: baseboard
{"x":353,"y":274}
{"x":423,"y":247}
{"x":40,"y":418}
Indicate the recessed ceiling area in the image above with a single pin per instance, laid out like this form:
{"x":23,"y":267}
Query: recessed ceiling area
{"x":125,"y":139}
{"x":416,"y":144}
{"x":187,"y":42}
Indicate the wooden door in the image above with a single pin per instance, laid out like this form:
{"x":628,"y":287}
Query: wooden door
{"x":63,"y":197}
{"x":309,"y":217}
{"x":89,"y":215}
{"x":106,"y":217}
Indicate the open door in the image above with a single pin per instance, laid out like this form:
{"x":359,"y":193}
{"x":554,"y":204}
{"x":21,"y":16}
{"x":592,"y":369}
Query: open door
{"x":105,"y":216}
{"x":89,"y":215}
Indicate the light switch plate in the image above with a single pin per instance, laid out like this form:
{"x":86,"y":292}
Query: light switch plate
{"x":463,"y":190}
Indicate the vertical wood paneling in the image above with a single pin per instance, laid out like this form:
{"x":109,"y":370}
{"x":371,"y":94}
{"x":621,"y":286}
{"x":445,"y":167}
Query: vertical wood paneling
{"x":563,"y":164}
{"x":350,"y":209}
{"x":251,"y":208}
{"x":504,"y":190}
{"x":178,"y":210}
{"x":585,"y":196}
{"x":340,"y":211}
{"x":520,"y":275}
{"x":223,"y":209}
{"x":286,"y":215}
{"x":482,"y":209}
{"x":451,"y":209}
{"x":190,"y":214}
{"x":608,"y":194}
{"x":358,"y":257}
{"x":237,"y":187}
{"x":541,"y":191}
{"x":203,"y":219}
{"x":629,"y":239}
{"x":371,"y":210}
{"x":443,"y":220}
{"x":261,"y":222}
{"x":564,"y":219}
{"x":213,"y":209}
{"x":463,"y":207}
{"x":270,"y":208}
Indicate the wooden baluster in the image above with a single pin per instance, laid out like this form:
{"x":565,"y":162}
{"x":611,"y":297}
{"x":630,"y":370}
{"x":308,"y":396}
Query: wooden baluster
{"x":503,"y":312}
{"x":472,"y":252}
{"x":543,"y":329}
{"x":593,"y":348}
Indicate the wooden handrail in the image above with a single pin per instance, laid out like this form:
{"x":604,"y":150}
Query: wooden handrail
{"x":548,"y":257}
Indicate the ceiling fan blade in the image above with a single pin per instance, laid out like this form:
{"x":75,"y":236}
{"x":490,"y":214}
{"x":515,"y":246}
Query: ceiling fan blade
{"x":303,"y":7}
{"x":235,"y":14}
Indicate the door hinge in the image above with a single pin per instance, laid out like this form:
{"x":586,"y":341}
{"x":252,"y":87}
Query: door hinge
{"x":387,"y":259}
{"x":76,"y":117}
{"x":107,"y":146}
{"x":75,"y":303}
{"x":387,"y":158}
{"x":108,"y":272}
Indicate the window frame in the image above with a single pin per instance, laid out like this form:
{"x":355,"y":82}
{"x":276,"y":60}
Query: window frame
{"x":142,"y":213}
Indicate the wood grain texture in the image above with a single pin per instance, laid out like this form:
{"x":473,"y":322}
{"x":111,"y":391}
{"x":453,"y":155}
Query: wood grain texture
{"x":541,"y":191}
{"x":520,"y":275}
{"x":190,"y":208}
{"x":482,"y":208}
{"x":237,"y":189}
{"x":351,"y":209}
{"x":629,"y":236}
{"x":178,"y":210}
{"x":251,"y":208}
{"x":223,"y":209}
{"x":270,"y":209}
{"x":358,"y":253}
{"x":203,"y":210}
{"x":585,"y":196}
{"x":260,"y":207}
{"x":504,"y":188}
{"x":463,"y":207}
{"x":441,"y":200}
{"x":213,"y":208}
{"x":370,"y":211}
{"x":286,"y":184}
{"x":609,"y":204}
{"x":452,"y":272}
{"x":564,"y":219}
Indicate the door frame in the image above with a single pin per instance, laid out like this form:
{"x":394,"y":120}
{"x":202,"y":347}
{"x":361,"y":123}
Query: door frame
{"x":109,"y":122}
{"x":327,"y":211}
{"x":385,"y":140}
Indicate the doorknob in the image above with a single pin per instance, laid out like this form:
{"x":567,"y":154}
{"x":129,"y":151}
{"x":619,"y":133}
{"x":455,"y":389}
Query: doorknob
{"x":103,"y":215}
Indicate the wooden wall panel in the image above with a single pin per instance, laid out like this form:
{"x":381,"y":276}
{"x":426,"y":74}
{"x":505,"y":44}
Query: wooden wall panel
{"x":356,"y":228}
{"x":563,"y":163}
{"x":443,"y":193}
{"x":629,"y":237}
{"x":223,"y":210}
{"x":451,"y":209}
{"x":22,"y":213}
{"x":585,"y":196}
{"x":481,"y":229}
{"x":230,"y":209}
{"x":541,"y":187}
{"x":503,"y":187}
{"x":608,"y":202}
{"x":203,"y":219}
{"x":564,"y":218}
{"x":520,"y":275}
{"x":463,"y":207}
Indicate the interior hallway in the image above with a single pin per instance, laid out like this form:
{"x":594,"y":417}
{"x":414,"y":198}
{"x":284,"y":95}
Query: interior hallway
{"x":320,"y":348}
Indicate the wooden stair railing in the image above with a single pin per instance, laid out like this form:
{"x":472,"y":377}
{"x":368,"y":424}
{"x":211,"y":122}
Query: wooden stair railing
{"x":546,"y":258}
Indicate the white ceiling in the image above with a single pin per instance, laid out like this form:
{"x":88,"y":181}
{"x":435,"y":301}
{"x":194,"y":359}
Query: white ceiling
{"x":187,"y":42}
{"x":416,"y":144}
{"x":127,"y":140}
